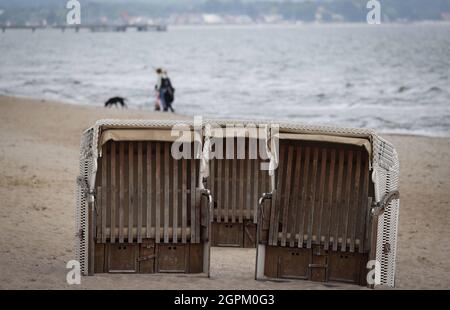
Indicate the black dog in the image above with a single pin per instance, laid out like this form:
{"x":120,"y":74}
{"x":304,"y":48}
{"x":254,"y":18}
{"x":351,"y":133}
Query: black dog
{"x":115,"y":101}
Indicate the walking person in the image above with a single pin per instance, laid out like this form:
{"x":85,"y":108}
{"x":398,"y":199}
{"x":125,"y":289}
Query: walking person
{"x":164,"y":90}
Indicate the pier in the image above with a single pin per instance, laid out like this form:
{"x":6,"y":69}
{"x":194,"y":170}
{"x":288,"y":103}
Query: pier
{"x":91,"y":27}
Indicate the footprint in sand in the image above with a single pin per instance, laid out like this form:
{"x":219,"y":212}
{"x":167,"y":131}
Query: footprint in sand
{"x":425,"y":261}
{"x":38,"y":208}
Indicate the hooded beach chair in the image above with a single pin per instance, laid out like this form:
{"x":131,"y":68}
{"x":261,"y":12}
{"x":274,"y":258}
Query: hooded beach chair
{"x":333,"y":207}
{"x":328,"y":207}
{"x":140,"y":209}
{"x":235,"y":180}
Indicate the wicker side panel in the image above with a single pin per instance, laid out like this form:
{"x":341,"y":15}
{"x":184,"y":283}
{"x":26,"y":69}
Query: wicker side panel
{"x":387,"y":180}
{"x":82,"y":192}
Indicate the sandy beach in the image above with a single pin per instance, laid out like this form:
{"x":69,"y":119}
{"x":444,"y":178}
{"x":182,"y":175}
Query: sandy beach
{"x":39,"y":147}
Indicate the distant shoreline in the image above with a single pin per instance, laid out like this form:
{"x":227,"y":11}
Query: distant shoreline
{"x":444,"y":23}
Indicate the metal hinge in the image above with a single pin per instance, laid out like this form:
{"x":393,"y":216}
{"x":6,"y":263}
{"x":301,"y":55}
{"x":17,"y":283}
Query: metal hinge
{"x":379,"y":207}
{"x":386,"y":248}
{"x":80,"y":234}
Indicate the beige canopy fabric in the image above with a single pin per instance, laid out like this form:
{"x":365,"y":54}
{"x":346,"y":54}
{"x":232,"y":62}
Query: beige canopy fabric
{"x":327,"y":138}
{"x":144,"y":135}
{"x":236,"y":132}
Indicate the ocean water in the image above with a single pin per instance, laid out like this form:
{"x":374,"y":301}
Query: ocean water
{"x":393,"y":78}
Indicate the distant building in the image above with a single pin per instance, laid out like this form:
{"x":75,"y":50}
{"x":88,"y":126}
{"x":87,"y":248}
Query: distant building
{"x":208,"y":19}
{"x":324,"y":15}
{"x":319,"y":14}
{"x":212,"y":19}
{"x":272,"y":18}
{"x":238,"y":19}
{"x":185,"y":19}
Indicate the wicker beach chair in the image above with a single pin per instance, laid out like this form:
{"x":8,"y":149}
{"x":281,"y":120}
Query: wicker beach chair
{"x":236,"y":182}
{"x":333,"y":207}
{"x":140,"y":210}
{"x":328,"y":205}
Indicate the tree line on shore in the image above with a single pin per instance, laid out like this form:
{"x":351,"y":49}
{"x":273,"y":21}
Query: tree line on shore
{"x":54,"y":11}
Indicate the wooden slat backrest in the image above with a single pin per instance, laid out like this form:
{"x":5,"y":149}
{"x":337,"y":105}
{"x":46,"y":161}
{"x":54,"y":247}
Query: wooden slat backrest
{"x":319,"y":214}
{"x":321,"y":196}
{"x":286,"y":198}
{"x":158,"y":175}
{"x":121,"y":191}
{"x":216,"y":189}
{"x":98,"y":222}
{"x":295,"y":197}
{"x":241,"y":184}
{"x":175,"y":198}
{"x":248,"y":189}
{"x":346,"y":201}
{"x":143,"y":192}
{"x":192,"y":186}
{"x":236,"y":183}
{"x":327,"y":219}
{"x":104,"y":193}
{"x":140,"y":189}
{"x":312,"y":196}
{"x":304,"y":191}
{"x":336,"y":208}
{"x":226,"y":190}
{"x":131,"y":197}
{"x":257,"y":191}
{"x":165,"y":209}
{"x":277,"y":199}
{"x":113,"y":190}
{"x":150,"y":194}
{"x":184,"y":192}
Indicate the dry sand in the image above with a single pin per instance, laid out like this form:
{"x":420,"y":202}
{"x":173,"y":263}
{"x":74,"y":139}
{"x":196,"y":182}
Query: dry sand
{"x":39,"y":145}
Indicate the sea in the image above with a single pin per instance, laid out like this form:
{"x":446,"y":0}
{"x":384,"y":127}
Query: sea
{"x":394,"y":78}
